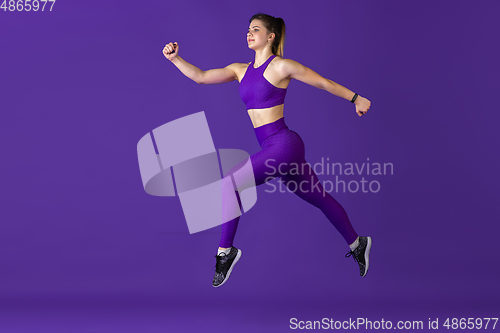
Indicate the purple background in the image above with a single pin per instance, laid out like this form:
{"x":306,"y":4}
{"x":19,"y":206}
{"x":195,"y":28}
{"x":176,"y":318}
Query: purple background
{"x":83,"y":248}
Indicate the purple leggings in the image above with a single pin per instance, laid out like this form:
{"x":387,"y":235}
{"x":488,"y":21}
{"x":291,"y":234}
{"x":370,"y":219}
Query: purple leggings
{"x":280,"y":145}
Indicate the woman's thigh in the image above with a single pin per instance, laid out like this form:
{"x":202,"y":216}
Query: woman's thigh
{"x":280,"y":152}
{"x":304,"y":182}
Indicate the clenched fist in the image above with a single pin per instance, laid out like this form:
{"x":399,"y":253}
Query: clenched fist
{"x":171,"y":50}
{"x":362,"y":105}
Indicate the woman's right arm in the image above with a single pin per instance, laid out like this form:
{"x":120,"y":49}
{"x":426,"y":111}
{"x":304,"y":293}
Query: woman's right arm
{"x":212,"y":76}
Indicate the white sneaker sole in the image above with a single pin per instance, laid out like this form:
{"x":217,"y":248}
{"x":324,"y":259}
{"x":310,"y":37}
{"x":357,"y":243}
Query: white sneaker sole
{"x":367,"y":253}
{"x":238,"y":256}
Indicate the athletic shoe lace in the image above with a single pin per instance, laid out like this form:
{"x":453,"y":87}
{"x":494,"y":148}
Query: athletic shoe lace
{"x":218,"y":263}
{"x":351,"y":253}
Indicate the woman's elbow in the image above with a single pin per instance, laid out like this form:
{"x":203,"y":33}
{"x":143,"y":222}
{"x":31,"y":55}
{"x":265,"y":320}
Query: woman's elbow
{"x":323,"y":84}
{"x":199,"y":78}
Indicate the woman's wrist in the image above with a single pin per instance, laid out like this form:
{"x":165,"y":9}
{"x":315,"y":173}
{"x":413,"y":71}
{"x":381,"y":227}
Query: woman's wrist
{"x":175,"y":60}
{"x":354,"y":98}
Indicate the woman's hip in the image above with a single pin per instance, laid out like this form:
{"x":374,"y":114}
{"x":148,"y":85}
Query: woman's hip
{"x":265,"y":131}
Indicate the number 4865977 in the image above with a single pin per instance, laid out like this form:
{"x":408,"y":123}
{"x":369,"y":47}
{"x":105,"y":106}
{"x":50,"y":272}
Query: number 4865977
{"x":25,"y":5}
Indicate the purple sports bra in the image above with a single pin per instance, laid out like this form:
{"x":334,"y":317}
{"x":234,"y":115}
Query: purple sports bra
{"x":258,"y":93}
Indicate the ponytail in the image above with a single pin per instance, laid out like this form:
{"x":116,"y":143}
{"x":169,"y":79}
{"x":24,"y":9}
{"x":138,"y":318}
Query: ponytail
{"x":279,"y":45}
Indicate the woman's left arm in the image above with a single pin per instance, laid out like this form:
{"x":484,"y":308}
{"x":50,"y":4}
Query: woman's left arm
{"x":295,"y":70}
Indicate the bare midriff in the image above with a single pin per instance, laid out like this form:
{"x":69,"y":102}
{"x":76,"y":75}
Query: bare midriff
{"x":261,"y":117}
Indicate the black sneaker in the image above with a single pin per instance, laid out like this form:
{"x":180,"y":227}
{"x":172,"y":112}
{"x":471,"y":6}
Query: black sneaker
{"x":361,"y":253}
{"x":224,"y":266}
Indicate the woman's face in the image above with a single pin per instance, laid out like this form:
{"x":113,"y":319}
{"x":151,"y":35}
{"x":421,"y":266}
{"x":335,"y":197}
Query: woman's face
{"x":257,"y":36}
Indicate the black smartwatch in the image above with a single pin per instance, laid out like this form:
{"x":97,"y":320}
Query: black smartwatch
{"x":354,"y":98}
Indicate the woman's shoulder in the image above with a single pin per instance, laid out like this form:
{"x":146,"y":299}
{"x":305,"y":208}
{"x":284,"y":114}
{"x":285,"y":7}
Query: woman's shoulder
{"x":280,"y":59}
{"x":281,"y":63}
{"x":241,"y":64}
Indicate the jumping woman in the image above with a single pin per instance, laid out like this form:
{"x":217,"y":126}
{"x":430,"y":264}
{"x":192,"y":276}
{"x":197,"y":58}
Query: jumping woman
{"x":263,"y":86}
